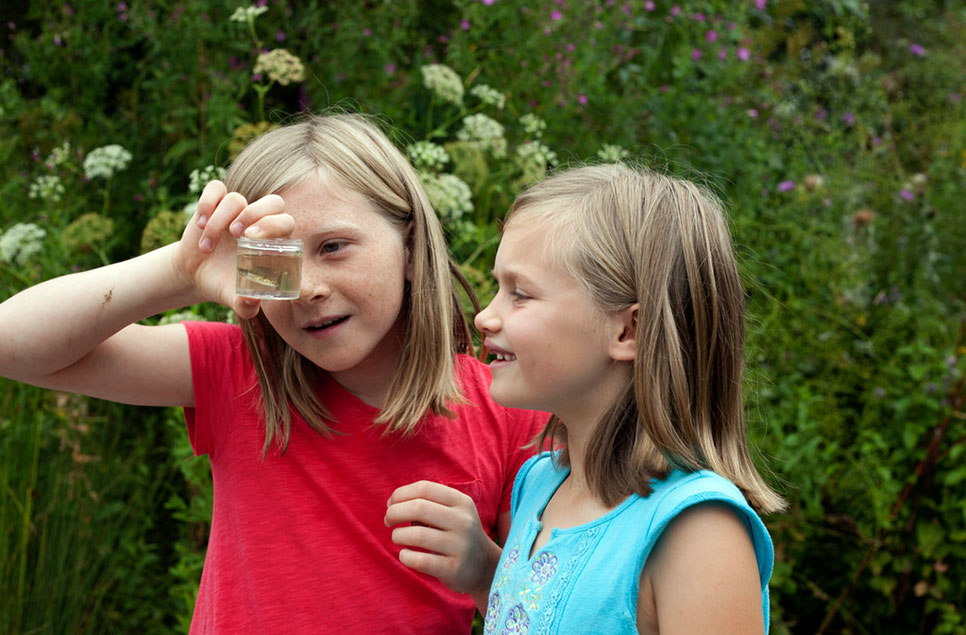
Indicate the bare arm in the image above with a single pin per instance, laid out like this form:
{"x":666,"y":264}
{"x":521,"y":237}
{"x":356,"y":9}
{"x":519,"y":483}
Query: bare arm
{"x":78,"y":333}
{"x":702,"y":577}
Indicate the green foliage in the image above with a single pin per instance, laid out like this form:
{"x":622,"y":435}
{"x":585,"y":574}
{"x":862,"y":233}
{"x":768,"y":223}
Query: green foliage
{"x":834,"y":131}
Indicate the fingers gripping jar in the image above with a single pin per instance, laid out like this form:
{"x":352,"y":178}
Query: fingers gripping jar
{"x":269,"y":269}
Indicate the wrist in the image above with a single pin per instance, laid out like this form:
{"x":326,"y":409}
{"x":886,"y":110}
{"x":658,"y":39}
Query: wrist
{"x":480,"y":592}
{"x":180,"y":282}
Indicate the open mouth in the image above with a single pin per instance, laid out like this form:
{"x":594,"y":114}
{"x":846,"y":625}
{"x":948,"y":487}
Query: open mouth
{"x":327,"y":324}
{"x":503,"y":357}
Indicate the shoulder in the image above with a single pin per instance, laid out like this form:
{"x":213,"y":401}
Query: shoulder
{"x":538,"y":473}
{"x":703,"y":573}
{"x":682,"y":491}
{"x":204,"y":333}
{"x":711,"y":558}
{"x":214,"y":345}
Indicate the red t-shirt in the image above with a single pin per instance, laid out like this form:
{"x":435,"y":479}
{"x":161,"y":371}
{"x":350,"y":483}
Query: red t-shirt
{"x":298,"y":543}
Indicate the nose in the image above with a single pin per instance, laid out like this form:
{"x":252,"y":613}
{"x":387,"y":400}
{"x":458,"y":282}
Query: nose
{"x":487,"y":320}
{"x":313,"y":287}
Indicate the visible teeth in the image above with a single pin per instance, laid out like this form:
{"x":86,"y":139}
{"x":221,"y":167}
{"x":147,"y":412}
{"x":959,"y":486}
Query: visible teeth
{"x":505,"y":357}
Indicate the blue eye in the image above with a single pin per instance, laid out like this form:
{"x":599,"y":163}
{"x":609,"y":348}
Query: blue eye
{"x":331,"y":247}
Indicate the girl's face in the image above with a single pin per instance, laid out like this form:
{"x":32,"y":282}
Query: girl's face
{"x":354,"y":267}
{"x":552,"y":343}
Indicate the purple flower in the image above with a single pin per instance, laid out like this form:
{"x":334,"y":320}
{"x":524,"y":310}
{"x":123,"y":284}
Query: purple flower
{"x":917,"y":50}
{"x":752,"y":112}
{"x":849,"y":119}
{"x":279,"y":36}
{"x":711,"y":36}
{"x":465,"y":25}
{"x":696,"y":54}
{"x":744,"y":54}
{"x":676,"y":9}
{"x":722,"y":53}
{"x":556,"y":15}
{"x":488,"y":2}
{"x":907,"y":195}
{"x":390,"y":69}
{"x":649,"y":5}
{"x":784,"y":186}
{"x":582,"y":99}
{"x":760,"y":4}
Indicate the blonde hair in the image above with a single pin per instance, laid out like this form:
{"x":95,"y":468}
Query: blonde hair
{"x":632,"y":236}
{"x":353,"y":151}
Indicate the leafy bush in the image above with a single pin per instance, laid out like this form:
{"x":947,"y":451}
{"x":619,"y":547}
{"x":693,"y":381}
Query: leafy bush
{"x":834,"y":131}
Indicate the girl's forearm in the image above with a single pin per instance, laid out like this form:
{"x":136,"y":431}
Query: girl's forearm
{"x":52,"y":325}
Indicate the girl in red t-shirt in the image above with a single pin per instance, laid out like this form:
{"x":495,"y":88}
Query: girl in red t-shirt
{"x":315,"y":410}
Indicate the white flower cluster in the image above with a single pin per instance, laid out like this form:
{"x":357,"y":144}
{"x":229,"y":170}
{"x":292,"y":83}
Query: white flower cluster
{"x":244,"y":14}
{"x":19,"y":243}
{"x":486,"y":132}
{"x":533,"y":125}
{"x":443,"y":81}
{"x":534,"y":154}
{"x":427,"y":155}
{"x":489,"y":96}
{"x":105,"y":161}
{"x":280,"y":66}
{"x":58,"y":155}
{"x":843,"y":67}
{"x":47,"y":187}
{"x":612,"y":153}
{"x":449,"y":195}
{"x":200,"y":178}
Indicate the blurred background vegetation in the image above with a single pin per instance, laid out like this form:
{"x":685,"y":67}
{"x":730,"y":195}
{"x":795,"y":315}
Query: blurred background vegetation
{"x":835,"y":130}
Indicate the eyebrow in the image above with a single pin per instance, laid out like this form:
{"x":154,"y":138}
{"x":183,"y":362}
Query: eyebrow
{"x":511,"y":274}
{"x":335,"y":226}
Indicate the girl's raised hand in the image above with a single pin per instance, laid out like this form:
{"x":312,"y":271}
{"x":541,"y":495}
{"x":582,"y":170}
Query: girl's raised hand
{"x":444,"y":539}
{"x":208,"y":249}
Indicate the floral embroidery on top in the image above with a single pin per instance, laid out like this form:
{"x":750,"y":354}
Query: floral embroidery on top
{"x":543,"y":568}
{"x":517,"y":622}
{"x":493,"y":610}
{"x":511,"y":558}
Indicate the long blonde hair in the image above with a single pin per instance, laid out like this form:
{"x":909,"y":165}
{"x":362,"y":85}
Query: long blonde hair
{"x":354,"y":151}
{"x":632,"y":236}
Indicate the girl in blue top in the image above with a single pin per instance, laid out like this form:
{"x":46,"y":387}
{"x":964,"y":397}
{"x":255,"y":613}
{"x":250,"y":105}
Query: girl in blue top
{"x":620,"y":310}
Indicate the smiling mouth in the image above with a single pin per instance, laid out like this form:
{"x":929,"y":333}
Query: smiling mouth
{"x":327,"y":324}
{"x":504,"y":357}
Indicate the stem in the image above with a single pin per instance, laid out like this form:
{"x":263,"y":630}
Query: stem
{"x":251,"y":29}
{"x":26,"y":517}
{"x":107,"y":196}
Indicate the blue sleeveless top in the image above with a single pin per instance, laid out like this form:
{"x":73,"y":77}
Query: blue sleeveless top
{"x":598,"y":564}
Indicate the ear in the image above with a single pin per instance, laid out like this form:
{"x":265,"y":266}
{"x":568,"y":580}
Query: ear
{"x":408,"y":250}
{"x":623,"y":344}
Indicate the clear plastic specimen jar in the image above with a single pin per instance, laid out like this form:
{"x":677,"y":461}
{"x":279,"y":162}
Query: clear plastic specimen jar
{"x":269,"y":269}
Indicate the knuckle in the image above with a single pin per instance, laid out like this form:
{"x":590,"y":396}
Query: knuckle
{"x":234,"y":198}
